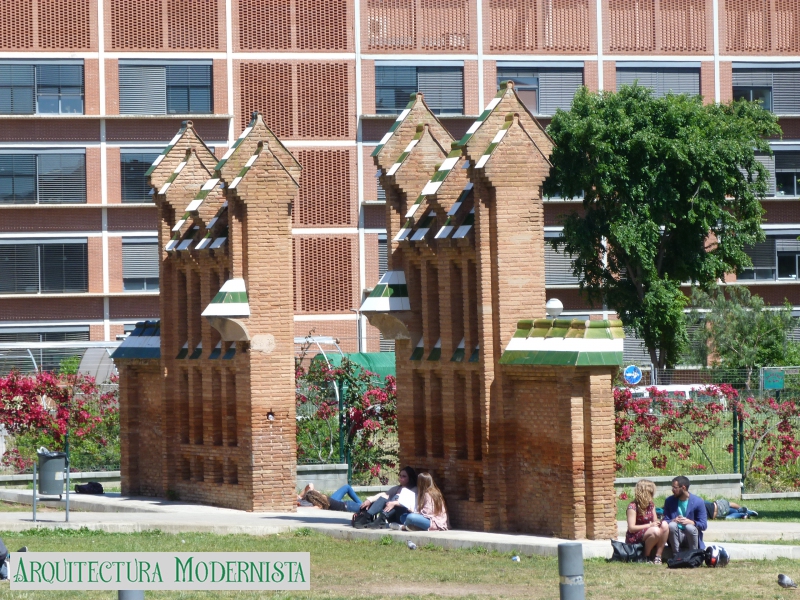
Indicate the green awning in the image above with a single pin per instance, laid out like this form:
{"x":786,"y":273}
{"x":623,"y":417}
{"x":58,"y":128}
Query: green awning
{"x":381,"y":363}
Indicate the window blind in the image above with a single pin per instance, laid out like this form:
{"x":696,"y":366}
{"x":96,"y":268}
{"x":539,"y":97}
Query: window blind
{"x":443,"y":88}
{"x":634,"y":351}
{"x":139,"y":260}
{"x":557,"y":88}
{"x":383,"y":255}
{"x":558,"y":267}
{"x":16,"y":89}
{"x":19,"y":264}
{"x":17,"y":179}
{"x":188,"y":89}
{"x":134,"y":183}
{"x":786,"y":92}
{"x":769,"y":163}
{"x":762,"y":254}
{"x":62,"y":178}
{"x":787,"y":161}
{"x":142,"y":90}
{"x":662,"y":81}
{"x":64,"y":268}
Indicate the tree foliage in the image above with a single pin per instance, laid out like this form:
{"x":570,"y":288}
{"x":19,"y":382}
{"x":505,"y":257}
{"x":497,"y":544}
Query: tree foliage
{"x":740,"y":332}
{"x":672,"y":194}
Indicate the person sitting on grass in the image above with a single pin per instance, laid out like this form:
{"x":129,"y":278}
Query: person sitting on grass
{"x":643,"y":525}
{"x":431,"y":513}
{"x":686,"y":515}
{"x":334,"y":501}
{"x":725,"y":509}
{"x":385,"y":507}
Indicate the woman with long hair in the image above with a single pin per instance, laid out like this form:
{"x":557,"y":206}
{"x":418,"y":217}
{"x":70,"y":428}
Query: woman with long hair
{"x":643,"y":525}
{"x":431,"y":513}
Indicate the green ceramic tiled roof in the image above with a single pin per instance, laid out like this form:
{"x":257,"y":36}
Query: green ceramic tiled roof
{"x":565,"y":342}
{"x":401,"y":159}
{"x":401,"y":117}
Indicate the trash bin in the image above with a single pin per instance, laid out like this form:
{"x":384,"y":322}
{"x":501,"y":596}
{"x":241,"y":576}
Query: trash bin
{"x":51,"y":472}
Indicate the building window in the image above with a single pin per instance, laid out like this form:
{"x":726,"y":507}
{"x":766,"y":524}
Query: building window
{"x":46,"y":88}
{"x":443,"y":87}
{"x":140,"y":264}
{"x":44,"y":267}
{"x":43,"y":178}
{"x":543,"y":90}
{"x":557,"y":265}
{"x":383,"y":255}
{"x":787,"y":174}
{"x":133,"y":166}
{"x":778,"y":89}
{"x":161,"y":89}
{"x":775,"y":258}
{"x":662,"y":80}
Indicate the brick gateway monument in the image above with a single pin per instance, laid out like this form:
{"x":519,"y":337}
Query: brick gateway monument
{"x":207,"y":396}
{"x":511,"y":412}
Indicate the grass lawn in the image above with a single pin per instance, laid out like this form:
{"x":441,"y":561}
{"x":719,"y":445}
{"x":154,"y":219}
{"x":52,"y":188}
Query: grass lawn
{"x":785,"y":509}
{"x":387,"y":569}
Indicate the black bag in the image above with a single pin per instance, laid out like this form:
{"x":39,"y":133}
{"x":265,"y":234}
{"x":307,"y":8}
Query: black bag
{"x":92,"y":487}
{"x":627,"y":552}
{"x":362,"y":518}
{"x":687,"y":559}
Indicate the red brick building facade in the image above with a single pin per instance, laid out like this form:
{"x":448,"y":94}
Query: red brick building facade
{"x":330,"y":78}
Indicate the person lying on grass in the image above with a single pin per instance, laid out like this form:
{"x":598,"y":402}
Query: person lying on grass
{"x":431,"y":513}
{"x":725,"y":509}
{"x":334,"y":501}
{"x":644,"y":527}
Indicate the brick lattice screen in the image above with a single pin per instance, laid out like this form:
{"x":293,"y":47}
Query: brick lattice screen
{"x":788,"y":26}
{"x":528,"y":25}
{"x":293,"y":25}
{"x":136,"y":24}
{"x":633,"y":25}
{"x":47,"y":24}
{"x":747,"y":25}
{"x":141,"y":24}
{"x":325,"y":188}
{"x":305,"y":100}
{"x":64,"y":25}
{"x":438,"y":25}
{"x":186,"y":30}
{"x":658,"y":25}
{"x":325,"y":274}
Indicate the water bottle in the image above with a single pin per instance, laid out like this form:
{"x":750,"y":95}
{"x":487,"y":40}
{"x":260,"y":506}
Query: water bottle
{"x":515,"y":558}
{"x":411,"y":545}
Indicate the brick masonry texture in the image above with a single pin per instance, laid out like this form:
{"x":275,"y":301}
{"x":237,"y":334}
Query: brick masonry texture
{"x":214,"y":430}
{"x":527,"y":449}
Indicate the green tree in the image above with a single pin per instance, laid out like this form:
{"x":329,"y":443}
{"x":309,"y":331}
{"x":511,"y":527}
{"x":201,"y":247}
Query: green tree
{"x":739,"y":332}
{"x":671,"y":194}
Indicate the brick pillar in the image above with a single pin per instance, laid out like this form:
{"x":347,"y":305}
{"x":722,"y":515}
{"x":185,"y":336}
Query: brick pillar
{"x":600,"y":453}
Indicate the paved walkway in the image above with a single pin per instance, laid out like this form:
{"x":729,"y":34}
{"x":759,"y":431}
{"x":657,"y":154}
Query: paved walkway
{"x":114,"y":513}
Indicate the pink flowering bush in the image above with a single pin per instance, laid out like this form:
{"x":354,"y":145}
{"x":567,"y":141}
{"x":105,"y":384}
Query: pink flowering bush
{"x":38,"y":409}
{"x":368,"y":420}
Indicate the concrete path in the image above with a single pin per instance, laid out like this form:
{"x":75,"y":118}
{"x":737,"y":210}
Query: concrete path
{"x":114,"y":513}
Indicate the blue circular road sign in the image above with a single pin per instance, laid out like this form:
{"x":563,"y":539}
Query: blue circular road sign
{"x":632,"y":375}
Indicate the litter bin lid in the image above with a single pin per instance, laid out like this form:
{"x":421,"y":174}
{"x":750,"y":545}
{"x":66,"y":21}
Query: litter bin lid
{"x":49,"y":454}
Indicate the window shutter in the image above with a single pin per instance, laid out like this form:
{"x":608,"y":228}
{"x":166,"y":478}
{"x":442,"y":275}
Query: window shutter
{"x":386,"y":345}
{"x":142,"y":90}
{"x":752,"y":78}
{"x":634,"y":350}
{"x":17,"y":179}
{"x":19,"y":265}
{"x":443,"y":88}
{"x":64,"y":268}
{"x":16,"y":89}
{"x":762,"y":254}
{"x":787,"y":161}
{"x":558,"y":267}
{"x":62,"y":178}
{"x":140,"y":260}
{"x":679,"y":81}
{"x":557,"y":88}
{"x":786,"y":92}
{"x":381,"y":193}
{"x":645,"y":78}
{"x":787,"y":245}
{"x":383,"y":255}
{"x":769,"y":163}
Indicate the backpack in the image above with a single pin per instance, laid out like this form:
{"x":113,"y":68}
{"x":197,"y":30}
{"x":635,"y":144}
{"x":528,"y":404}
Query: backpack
{"x":92,"y":487}
{"x":717,"y":556}
{"x":687,"y":559}
{"x":362,"y":518}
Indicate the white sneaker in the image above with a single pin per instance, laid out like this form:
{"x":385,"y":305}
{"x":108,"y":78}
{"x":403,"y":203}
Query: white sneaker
{"x":395,"y":526}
